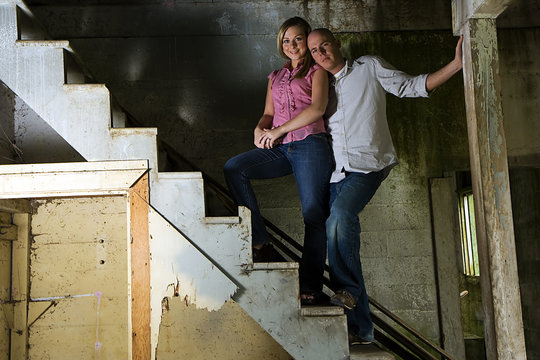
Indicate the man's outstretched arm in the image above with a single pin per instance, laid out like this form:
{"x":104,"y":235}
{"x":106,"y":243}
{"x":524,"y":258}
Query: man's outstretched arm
{"x":440,"y":76}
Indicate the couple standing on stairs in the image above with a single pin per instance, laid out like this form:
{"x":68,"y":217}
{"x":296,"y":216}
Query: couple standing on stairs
{"x":325,"y":122}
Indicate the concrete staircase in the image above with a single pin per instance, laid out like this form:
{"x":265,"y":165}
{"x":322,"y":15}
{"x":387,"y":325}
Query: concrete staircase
{"x":41,"y":73}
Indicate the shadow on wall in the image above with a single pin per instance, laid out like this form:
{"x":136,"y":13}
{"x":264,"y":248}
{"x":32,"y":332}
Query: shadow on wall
{"x":26,"y":138}
{"x":8,"y":152}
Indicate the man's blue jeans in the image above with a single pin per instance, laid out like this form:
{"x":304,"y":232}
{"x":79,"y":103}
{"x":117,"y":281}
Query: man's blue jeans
{"x":311,"y":162}
{"x":347,"y":199}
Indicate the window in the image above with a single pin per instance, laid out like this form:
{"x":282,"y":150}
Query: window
{"x":469,"y":248}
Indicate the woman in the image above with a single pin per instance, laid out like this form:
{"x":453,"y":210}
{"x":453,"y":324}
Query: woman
{"x":291,"y":138}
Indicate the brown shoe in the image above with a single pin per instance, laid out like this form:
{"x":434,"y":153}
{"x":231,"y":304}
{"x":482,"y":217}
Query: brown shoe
{"x":344,"y":299}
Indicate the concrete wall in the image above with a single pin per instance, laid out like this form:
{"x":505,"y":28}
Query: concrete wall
{"x":197,"y":70}
{"x":520,"y":75}
{"x":525,"y":186}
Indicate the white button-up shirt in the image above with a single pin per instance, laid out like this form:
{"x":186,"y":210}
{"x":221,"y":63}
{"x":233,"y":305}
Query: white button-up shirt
{"x":356,"y":114}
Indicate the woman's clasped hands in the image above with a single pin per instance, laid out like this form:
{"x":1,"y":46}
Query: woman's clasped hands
{"x":268,"y":138}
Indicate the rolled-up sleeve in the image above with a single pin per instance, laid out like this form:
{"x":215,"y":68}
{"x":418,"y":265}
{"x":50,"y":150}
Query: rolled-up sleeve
{"x":398,"y":82}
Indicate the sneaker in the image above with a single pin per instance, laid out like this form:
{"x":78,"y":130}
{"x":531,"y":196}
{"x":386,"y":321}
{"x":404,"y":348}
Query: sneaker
{"x":357,"y":340}
{"x":266,"y":253}
{"x":344,"y":299}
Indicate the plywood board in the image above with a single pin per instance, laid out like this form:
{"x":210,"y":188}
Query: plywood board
{"x":89,"y":327}
{"x":79,"y":264}
{"x":19,"y":287}
{"x":140,"y":269}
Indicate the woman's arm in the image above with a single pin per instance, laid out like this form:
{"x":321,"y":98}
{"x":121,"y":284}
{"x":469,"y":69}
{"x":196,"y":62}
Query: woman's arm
{"x":319,"y":100}
{"x":265,"y":121}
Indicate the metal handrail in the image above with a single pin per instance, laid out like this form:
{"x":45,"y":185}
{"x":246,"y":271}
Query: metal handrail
{"x":391,"y":338}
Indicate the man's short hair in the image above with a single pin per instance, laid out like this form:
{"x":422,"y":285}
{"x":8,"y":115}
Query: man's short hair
{"x":324,"y":31}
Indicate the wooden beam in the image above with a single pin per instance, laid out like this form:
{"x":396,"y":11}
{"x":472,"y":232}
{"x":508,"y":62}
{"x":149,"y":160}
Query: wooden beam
{"x":140,"y":269}
{"x":19,"y":288}
{"x":493,"y":208}
{"x":463,"y":10}
{"x":69,"y":179}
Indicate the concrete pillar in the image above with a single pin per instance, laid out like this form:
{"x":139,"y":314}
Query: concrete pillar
{"x":489,"y":167}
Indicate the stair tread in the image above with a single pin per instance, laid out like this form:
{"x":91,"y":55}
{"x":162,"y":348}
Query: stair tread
{"x":285,"y":265}
{"x":222,"y":220}
{"x":44,"y":43}
{"x":371,"y":352}
{"x":180,"y":175}
{"x":318,"y":310}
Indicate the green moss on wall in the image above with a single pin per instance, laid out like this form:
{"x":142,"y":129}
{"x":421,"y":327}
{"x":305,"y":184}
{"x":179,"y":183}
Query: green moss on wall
{"x":430,"y":135}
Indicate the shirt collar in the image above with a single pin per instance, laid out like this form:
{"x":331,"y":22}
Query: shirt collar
{"x":343,"y":70}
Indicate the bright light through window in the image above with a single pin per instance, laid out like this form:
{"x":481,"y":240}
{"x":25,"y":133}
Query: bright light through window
{"x":469,"y":248}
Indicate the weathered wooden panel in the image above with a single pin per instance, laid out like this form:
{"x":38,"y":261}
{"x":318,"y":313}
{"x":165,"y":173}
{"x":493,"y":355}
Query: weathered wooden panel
{"x":89,"y":327}
{"x":69,"y":179}
{"x":19,"y":287}
{"x":140,"y":269}
{"x":5,"y":285}
{"x":79,"y":264}
{"x":493,"y":208}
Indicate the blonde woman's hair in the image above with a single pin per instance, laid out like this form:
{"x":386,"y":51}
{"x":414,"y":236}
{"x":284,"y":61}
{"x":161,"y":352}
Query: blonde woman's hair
{"x":306,"y":29}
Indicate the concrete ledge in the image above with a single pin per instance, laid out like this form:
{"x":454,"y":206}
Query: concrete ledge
{"x":275,"y":266}
{"x":84,"y":87}
{"x":134,"y":130}
{"x":371,"y":352}
{"x":179,"y":175}
{"x":56,"y":44}
{"x":222,"y":220}
{"x":321,"y":311}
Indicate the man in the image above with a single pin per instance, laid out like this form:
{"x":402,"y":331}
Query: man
{"x":364,"y":155}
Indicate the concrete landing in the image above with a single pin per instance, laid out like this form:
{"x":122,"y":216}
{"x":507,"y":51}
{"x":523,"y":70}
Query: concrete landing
{"x":371,"y":352}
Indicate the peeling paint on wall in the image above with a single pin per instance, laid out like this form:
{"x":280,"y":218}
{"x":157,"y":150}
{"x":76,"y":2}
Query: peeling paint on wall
{"x":179,"y":269}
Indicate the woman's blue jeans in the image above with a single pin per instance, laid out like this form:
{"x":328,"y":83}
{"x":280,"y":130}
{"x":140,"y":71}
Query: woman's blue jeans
{"x":347,"y":199}
{"x":311,"y":162}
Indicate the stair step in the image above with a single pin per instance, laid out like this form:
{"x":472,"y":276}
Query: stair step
{"x":222,"y":220}
{"x":57,"y":44}
{"x":180,"y":175}
{"x":371,"y":352}
{"x":152,"y":131}
{"x":274,"y":266}
{"x":321,"y":311}
{"x":85,"y":87}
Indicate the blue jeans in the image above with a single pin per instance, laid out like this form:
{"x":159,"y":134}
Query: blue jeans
{"x":347,"y":199}
{"x":311,"y":162}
